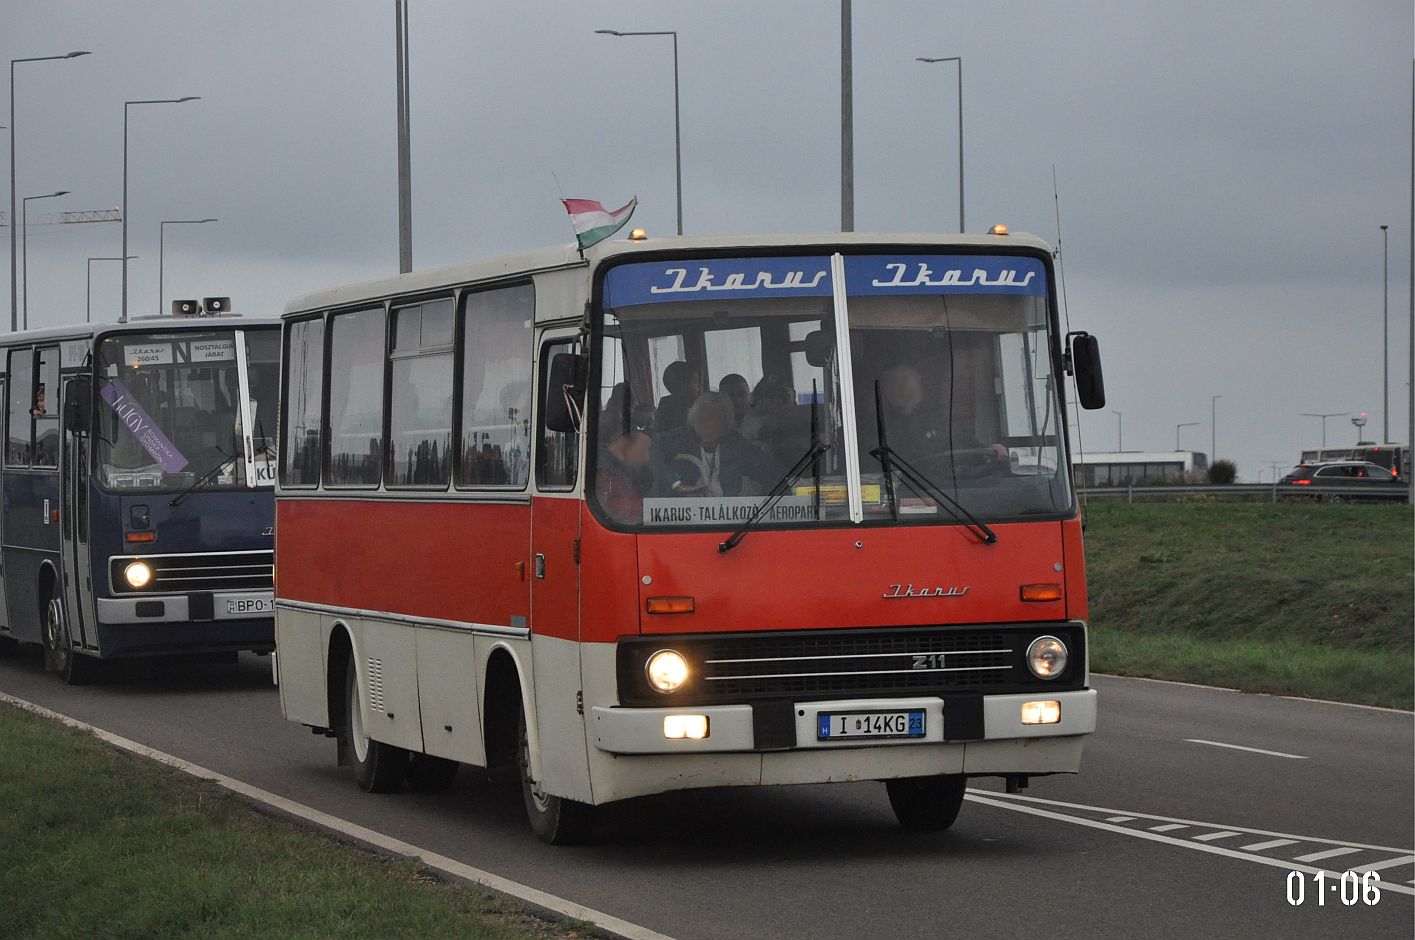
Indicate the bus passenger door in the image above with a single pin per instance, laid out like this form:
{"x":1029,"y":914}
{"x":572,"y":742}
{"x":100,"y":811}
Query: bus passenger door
{"x":74,"y":519}
{"x":555,"y":584}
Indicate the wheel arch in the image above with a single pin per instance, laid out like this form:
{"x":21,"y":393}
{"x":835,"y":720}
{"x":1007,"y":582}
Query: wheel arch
{"x":505,"y":689}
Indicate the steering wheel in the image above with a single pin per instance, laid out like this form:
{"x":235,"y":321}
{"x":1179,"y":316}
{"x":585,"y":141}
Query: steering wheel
{"x":968,"y":463}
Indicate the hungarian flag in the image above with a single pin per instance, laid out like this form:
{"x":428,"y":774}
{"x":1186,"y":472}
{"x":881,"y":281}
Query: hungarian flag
{"x":593,"y":223}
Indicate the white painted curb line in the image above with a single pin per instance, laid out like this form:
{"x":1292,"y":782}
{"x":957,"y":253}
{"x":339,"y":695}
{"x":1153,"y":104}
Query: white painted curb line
{"x":375,"y":840}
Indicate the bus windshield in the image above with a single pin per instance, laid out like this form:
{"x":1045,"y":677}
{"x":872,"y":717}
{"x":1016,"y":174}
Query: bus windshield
{"x":718,"y":377}
{"x":171,"y":409}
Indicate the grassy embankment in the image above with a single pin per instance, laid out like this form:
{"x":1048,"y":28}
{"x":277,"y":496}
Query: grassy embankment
{"x":1309,"y":600}
{"x":98,"y":843}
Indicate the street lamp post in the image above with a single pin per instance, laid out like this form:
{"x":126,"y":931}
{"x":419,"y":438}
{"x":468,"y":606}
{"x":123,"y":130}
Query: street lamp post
{"x":14,"y":300}
{"x":1360,"y":422}
{"x":1213,"y":427}
{"x":677,"y":124}
{"x":1324,"y":417}
{"x":1119,"y":432}
{"x":1180,"y":427}
{"x":959,"y":61}
{"x":161,"y":240}
{"x":1385,"y":334}
{"x":405,"y":155}
{"x":24,"y":228}
{"x":123,"y":315}
{"x":88,"y":289}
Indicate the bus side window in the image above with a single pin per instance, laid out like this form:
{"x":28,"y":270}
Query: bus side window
{"x":21,"y":403}
{"x":495,"y":438}
{"x":46,"y":410}
{"x":304,"y":356}
{"x":356,"y":365}
{"x":557,"y":457}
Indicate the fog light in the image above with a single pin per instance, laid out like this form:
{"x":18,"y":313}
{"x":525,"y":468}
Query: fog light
{"x":667,"y":670}
{"x":138,"y":574}
{"x":677,"y":727}
{"x":1041,"y":713}
{"x":1046,"y":657}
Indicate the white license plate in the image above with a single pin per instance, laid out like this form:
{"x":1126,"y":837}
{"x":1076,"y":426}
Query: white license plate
{"x":250,"y":605}
{"x":832,"y":726}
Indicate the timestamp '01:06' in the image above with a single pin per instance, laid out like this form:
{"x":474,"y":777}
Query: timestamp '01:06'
{"x":1353,"y":887}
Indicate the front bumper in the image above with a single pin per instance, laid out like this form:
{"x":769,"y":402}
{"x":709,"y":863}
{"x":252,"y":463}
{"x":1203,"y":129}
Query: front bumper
{"x":734,"y":728}
{"x":187,"y":608}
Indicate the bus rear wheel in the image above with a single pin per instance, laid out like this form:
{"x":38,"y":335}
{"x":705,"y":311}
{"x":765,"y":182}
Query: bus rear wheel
{"x":554,"y":819}
{"x":59,"y":653}
{"x":927,"y":804}
{"x":378,"y":767}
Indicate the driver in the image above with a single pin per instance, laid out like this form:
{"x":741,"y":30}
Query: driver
{"x":917,"y":430}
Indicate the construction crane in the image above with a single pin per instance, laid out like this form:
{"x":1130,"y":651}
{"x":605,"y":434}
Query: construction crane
{"x":76,"y":217}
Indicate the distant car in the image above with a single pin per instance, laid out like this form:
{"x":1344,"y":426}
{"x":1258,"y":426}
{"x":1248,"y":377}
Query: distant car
{"x":1339,"y":473}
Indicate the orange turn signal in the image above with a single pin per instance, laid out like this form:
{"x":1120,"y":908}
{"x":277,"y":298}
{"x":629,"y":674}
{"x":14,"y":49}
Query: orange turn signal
{"x":670,"y":605}
{"x":140,"y":537}
{"x":1041,"y":592}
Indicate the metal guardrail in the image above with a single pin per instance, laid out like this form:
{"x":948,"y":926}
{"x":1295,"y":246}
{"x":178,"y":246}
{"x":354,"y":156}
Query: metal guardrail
{"x":1254,"y":492}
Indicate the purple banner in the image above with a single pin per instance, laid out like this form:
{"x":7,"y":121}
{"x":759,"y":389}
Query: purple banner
{"x":140,"y":423}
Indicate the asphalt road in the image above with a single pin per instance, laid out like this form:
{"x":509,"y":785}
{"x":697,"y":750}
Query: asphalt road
{"x":1160,"y":834}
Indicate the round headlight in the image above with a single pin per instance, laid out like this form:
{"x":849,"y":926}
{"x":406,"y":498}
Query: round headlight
{"x":667,"y":670}
{"x":1046,"y":657}
{"x":138,"y":574}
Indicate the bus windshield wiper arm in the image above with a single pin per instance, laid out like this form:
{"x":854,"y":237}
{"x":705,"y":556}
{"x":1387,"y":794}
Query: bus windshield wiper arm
{"x":808,"y":460}
{"x":204,"y":479}
{"x":891,"y":461}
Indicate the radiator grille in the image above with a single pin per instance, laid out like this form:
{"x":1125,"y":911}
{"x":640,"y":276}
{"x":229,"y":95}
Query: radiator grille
{"x":199,"y":571}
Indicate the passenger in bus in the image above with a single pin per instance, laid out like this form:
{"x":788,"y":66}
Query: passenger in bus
{"x":917,"y":428}
{"x":624,"y":454}
{"x":776,"y":423}
{"x":735,"y":387}
{"x":707,"y":458}
{"x":683,"y":385}
{"x":39,"y":410}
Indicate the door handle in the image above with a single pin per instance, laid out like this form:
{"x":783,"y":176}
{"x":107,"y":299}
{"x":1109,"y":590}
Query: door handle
{"x":540,"y":566}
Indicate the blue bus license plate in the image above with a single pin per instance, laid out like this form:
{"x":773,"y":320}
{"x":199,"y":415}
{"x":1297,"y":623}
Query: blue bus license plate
{"x":832,"y":726}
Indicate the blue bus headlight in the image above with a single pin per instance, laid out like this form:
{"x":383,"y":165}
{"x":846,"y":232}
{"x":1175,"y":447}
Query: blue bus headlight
{"x":138,"y":574}
{"x":1046,"y":657}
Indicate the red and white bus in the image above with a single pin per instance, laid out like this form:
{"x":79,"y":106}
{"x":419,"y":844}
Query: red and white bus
{"x":688,"y":513}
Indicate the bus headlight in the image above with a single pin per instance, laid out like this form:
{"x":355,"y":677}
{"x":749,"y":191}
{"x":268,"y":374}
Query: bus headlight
{"x":138,"y":574}
{"x":1046,"y":657}
{"x":667,"y":670}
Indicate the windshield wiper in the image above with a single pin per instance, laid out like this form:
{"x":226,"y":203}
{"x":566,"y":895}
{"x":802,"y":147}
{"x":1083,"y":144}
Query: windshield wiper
{"x":204,"y":479}
{"x":890,"y":461}
{"x":809,"y":459}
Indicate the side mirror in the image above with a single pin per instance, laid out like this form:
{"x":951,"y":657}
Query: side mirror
{"x":820,"y":346}
{"x":78,"y":405}
{"x":565,"y":392}
{"x":1086,"y":367}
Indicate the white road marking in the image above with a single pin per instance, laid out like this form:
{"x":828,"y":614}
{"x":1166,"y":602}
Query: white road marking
{"x":1259,"y":846}
{"x":1222,"y":688}
{"x":441,"y":863}
{"x":1388,"y":863}
{"x":1017,"y":804}
{"x":1121,"y":819}
{"x":1329,"y":853}
{"x":1240,"y":747}
{"x":1168,"y":827}
{"x":1211,"y":836}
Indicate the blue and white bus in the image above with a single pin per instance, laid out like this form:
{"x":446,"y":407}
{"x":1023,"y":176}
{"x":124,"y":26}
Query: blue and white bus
{"x":137,"y":479}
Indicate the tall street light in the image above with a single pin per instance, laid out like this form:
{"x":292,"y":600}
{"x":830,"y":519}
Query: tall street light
{"x":161,"y":238}
{"x":1385,"y":334}
{"x":24,"y":229}
{"x":123,"y":315}
{"x":959,"y":61}
{"x":14,"y":301}
{"x":88,"y":290}
{"x":1119,"y":431}
{"x":1324,"y":417}
{"x":677,"y":124}
{"x":847,"y":120}
{"x":405,"y":153}
{"x":1180,"y":427}
{"x":1213,"y":427}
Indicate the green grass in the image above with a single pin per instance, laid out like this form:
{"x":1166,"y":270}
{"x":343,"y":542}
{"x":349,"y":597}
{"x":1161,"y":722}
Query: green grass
{"x":1295,"y":599}
{"x":98,"y":843}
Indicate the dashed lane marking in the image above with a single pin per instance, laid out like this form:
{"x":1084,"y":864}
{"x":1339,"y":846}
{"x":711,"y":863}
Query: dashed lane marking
{"x":1202,"y":836}
{"x":1241,"y":747}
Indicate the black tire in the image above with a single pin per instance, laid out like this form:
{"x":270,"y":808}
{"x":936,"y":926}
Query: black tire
{"x":378,"y":767}
{"x":59,"y":655}
{"x":554,"y":819}
{"x":428,"y":774}
{"x":9,"y":646}
{"x":927,"y":804}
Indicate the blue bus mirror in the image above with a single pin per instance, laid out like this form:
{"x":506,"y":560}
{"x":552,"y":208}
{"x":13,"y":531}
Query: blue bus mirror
{"x":78,"y":405}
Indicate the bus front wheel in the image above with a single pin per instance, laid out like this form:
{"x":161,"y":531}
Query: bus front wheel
{"x":927,"y":804}
{"x":378,"y":767}
{"x":59,"y":652}
{"x":556,"y":820}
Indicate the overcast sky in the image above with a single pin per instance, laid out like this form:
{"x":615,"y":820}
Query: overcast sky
{"x":1224,"y":167}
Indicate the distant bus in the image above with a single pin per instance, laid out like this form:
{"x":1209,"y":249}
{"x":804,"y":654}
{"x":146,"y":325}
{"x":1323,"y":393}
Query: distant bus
{"x":137,"y":489}
{"x":1139,"y":468}
{"x":1394,"y":457}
